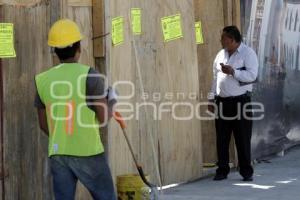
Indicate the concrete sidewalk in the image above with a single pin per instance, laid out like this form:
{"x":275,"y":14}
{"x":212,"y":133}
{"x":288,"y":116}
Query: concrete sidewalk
{"x":277,"y":180}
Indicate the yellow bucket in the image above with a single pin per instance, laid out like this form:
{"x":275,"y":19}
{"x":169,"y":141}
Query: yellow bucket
{"x":131,"y":187}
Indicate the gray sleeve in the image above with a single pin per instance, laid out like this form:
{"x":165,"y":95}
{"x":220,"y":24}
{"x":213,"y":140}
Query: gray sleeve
{"x":95,"y":85}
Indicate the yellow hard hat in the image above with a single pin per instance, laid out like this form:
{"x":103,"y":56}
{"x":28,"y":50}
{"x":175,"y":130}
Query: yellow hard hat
{"x":63,"y":33}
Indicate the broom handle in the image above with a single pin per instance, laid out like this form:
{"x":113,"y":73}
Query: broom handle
{"x":120,"y":120}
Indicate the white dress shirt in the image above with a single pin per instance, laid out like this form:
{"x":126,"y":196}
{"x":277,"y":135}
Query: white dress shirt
{"x":245,"y":64}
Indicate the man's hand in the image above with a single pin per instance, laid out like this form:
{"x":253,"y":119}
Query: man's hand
{"x":227,"y":69}
{"x":211,"y":108}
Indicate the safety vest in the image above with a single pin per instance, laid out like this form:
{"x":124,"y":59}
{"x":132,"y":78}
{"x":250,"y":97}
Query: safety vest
{"x":73,"y":127}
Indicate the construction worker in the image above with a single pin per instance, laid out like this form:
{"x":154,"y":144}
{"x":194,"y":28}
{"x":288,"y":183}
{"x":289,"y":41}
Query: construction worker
{"x":72,"y":101}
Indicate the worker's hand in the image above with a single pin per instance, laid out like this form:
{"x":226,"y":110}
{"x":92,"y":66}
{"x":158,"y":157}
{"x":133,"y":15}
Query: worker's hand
{"x":227,"y":69}
{"x":112,"y":96}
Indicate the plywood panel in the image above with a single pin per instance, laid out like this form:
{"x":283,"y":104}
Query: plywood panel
{"x":177,"y":67}
{"x":121,"y":68}
{"x":83,"y":17}
{"x":23,"y":3}
{"x":225,"y":12}
{"x":99,"y":28}
{"x":25,"y":147}
{"x":231,"y":9}
{"x":2,"y":169}
{"x":236,"y":13}
{"x":212,"y":29}
{"x":80,"y":3}
{"x":165,"y":67}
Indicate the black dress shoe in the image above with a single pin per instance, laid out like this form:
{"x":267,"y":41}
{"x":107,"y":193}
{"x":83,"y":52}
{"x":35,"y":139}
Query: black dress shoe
{"x":248,"y":178}
{"x":219,"y":177}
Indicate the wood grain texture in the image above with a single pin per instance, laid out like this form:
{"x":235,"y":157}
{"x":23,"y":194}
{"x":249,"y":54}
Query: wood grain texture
{"x":225,"y":13}
{"x":166,"y":67}
{"x":2,"y":167}
{"x":212,"y":28}
{"x":227,"y":10}
{"x":232,"y":12}
{"x":80,"y":3}
{"x":22,"y":3}
{"x":99,"y":28}
{"x":121,"y":68}
{"x":83,"y":17}
{"x":236,"y":13}
{"x":25,"y":147}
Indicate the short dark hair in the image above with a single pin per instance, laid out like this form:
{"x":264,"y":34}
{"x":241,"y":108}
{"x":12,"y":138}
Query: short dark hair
{"x":233,"y":32}
{"x":68,"y":52}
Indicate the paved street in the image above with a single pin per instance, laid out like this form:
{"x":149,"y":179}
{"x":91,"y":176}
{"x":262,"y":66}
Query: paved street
{"x":277,"y":180}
